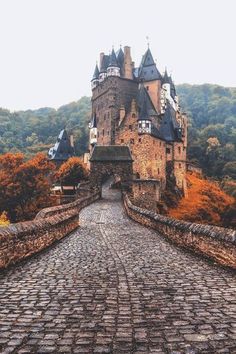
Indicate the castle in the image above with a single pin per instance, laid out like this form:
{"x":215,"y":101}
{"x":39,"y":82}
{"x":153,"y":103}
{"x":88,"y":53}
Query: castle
{"x":138,"y":107}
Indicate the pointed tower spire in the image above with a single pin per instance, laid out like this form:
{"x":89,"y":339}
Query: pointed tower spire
{"x":148,"y":70}
{"x":95,"y":78}
{"x":113,"y":68}
{"x":113,"y":60}
{"x":96,"y":72}
{"x":166,"y":78}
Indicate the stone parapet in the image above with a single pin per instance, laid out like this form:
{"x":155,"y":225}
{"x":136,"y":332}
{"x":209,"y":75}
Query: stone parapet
{"x":214,"y":242}
{"x":23,"y":239}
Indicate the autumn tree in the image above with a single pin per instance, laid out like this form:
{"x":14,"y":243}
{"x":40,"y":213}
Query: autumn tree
{"x":72,"y":172}
{"x":205,"y":203}
{"x":4,"y":221}
{"x":24,"y":185}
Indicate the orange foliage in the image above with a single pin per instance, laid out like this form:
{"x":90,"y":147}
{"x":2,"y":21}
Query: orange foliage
{"x":24,"y":185}
{"x":205,"y":203}
{"x":72,"y":172}
{"x":4,"y":221}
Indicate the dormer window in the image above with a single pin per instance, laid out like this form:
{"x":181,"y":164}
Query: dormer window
{"x":144,"y":127}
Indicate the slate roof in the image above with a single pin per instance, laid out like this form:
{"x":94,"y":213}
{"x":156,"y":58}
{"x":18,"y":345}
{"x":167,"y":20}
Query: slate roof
{"x":172,"y":88}
{"x":94,"y":121}
{"x":62,"y":150}
{"x":169,"y":128}
{"x":105,"y":63}
{"x":148,"y":70}
{"x":113,"y":60}
{"x":145,"y":105}
{"x":96,"y":73}
{"x":166,"y":78}
{"x":111,"y":153}
{"x":120,"y":57}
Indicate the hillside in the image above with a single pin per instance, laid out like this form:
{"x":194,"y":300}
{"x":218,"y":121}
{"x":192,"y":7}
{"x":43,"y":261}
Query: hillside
{"x":32,"y":131}
{"x":212,"y":127}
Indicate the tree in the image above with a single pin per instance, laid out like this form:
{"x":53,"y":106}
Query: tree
{"x":24,"y":185}
{"x":71,"y":172}
{"x":4,"y":221}
{"x":205,"y":203}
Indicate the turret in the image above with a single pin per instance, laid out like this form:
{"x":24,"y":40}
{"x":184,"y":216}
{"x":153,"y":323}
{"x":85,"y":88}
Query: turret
{"x":95,"y":79}
{"x":144,"y":120}
{"x":168,"y":93}
{"x":93,"y":131}
{"x":103,"y":67}
{"x":113,"y":67}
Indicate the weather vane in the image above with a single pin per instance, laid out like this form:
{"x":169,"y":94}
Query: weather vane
{"x":147,"y":38}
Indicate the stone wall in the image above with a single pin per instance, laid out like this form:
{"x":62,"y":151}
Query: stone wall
{"x":20,"y":240}
{"x":101,"y":170}
{"x":146,"y":193}
{"x":214,"y":242}
{"x":148,"y":152}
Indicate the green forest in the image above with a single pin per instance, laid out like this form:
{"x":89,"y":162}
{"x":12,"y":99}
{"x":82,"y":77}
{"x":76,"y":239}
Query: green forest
{"x":212,"y":127}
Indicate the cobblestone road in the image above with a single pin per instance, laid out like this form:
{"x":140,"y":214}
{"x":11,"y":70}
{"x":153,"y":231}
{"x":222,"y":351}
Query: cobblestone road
{"x":114,"y":286}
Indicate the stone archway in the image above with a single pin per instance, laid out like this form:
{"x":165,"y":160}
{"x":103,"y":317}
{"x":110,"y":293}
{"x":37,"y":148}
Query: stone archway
{"x":111,"y":160}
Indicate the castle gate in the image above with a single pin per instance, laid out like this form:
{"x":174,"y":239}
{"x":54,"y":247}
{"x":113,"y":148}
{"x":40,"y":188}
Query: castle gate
{"x":111,"y":160}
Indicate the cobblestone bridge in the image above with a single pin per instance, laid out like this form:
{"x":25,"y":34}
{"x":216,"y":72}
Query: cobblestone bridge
{"x":114,"y":286}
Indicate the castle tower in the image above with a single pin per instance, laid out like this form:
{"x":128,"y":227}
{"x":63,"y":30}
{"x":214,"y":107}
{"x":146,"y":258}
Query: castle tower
{"x":151,"y":77}
{"x":113,"y":67}
{"x":63,"y":148}
{"x":95,"y":78}
{"x":93,"y":131}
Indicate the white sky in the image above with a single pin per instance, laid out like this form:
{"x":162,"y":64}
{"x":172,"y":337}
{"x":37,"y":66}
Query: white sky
{"x":49,"y":47}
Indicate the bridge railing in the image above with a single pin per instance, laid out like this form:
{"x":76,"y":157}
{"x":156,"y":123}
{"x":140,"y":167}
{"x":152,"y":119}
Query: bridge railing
{"x":214,"y":242}
{"x":20,"y":240}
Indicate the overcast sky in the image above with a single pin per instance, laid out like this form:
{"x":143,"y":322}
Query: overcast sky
{"x":49,"y":47}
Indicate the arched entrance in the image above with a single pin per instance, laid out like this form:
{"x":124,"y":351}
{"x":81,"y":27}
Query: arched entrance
{"x":111,"y":161}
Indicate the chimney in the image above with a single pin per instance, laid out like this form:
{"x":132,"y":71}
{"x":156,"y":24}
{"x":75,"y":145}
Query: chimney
{"x":128,"y":66}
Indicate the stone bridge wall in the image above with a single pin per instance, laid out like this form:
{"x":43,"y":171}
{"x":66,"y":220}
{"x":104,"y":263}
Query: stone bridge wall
{"x":20,"y":240}
{"x":214,"y":242}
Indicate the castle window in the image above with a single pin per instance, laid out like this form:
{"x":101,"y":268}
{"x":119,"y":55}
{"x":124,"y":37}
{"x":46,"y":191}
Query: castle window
{"x":130,"y":127}
{"x":133,"y":115}
{"x":161,"y":157}
{"x":147,"y":87}
{"x":179,"y":149}
{"x":154,"y":187}
{"x":131,"y":141}
{"x":122,"y":141}
{"x":158,"y":171}
{"x":108,"y":133}
{"x":139,"y":140}
{"x":179,"y":165}
{"x":103,"y":132}
{"x":147,"y":125}
{"x":168,"y":150}
{"x":160,"y":143}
